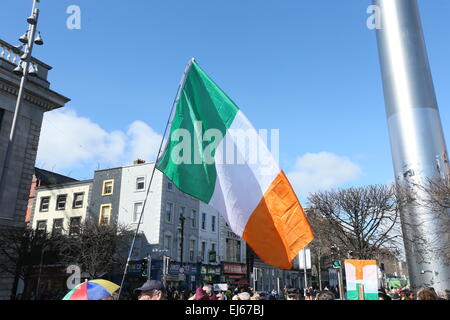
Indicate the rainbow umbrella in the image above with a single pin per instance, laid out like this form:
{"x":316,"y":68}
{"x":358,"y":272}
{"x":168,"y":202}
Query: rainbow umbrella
{"x":92,"y":290}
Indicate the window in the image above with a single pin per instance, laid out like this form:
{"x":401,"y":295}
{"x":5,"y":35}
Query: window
{"x":45,"y":204}
{"x":192,"y":250}
{"x":137,"y":212}
{"x":57,"y":227}
{"x":212,"y":253}
{"x":233,"y":250}
{"x":140,"y":184}
{"x":105,"y":214}
{"x":61,"y":202}
{"x":108,"y":186}
{"x":203,"y":221}
{"x":169,"y":186}
{"x":74,"y":226}
{"x":203,"y":251}
{"x":78,"y":200}
{"x":168,"y":243}
{"x":169,"y":211}
{"x":193,"y":218}
{"x":213,"y":223}
{"x":41,"y":227}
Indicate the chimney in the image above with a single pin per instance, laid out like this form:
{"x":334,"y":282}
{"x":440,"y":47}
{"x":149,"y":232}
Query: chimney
{"x":138,"y":161}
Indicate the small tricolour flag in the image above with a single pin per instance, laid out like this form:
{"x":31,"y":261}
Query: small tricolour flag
{"x":255,"y":198}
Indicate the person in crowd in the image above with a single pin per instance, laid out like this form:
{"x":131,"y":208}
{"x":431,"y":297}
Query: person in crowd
{"x":151,"y":290}
{"x":243,"y":294}
{"x":325,"y":295}
{"x":271,"y":296}
{"x":383,"y":296}
{"x":427,"y":294}
{"x":208,"y":288}
{"x":256,"y":296}
{"x":292,"y":294}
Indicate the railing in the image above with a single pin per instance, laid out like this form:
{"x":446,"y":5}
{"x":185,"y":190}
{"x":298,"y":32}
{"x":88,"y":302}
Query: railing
{"x":12,"y":55}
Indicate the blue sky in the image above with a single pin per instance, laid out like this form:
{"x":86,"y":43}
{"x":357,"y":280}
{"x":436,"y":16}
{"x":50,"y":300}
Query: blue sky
{"x":307,"y":67}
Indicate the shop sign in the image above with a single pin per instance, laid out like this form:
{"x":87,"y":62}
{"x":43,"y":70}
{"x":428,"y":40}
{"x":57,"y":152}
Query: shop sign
{"x":235,"y":268}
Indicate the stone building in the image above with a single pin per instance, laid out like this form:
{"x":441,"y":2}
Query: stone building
{"x":38,"y":99}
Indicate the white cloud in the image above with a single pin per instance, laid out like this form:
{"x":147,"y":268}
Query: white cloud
{"x":70,"y":141}
{"x":144,"y":141}
{"x":322,"y":171}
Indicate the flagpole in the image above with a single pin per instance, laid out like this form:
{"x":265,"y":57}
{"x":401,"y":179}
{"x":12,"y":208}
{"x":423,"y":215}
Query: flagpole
{"x":175,"y":102}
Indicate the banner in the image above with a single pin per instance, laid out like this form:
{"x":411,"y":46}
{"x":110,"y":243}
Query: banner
{"x":362,"y":280}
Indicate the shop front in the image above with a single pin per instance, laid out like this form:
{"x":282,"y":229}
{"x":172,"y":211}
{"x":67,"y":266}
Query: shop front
{"x":181,"y":276}
{"x":210,"y":273}
{"x":235,"y":274}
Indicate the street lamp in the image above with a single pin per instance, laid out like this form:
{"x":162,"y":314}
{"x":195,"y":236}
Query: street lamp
{"x":182,"y":219}
{"x":24,"y":68}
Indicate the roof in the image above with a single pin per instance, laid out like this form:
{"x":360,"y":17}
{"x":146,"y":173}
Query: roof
{"x":51,"y":178}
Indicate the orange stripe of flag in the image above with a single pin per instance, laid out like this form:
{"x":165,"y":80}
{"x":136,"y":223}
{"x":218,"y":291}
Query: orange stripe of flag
{"x":278,"y":229}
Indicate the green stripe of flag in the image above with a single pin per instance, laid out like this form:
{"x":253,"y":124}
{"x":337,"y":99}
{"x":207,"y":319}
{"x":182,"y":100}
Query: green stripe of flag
{"x":200,"y":100}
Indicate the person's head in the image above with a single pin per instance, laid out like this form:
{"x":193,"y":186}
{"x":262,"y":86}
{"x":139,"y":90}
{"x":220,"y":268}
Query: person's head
{"x":292,"y":294}
{"x":151,"y":290}
{"x":200,"y":294}
{"x":325,"y":295}
{"x":426,"y":294}
{"x":383,"y":296}
{"x":255,"y":297}
{"x":411,"y":295}
{"x":208,"y":289}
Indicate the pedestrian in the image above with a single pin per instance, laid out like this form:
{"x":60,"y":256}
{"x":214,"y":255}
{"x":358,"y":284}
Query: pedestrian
{"x":151,"y":290}
{"x":208,"y":288}
{"x":325,"y":295}
{"x":242,"y":295}
{"x":383,"y":296}
{"x":427,"y":294}
{"x":255,"y":297}
{"x":292,"y":294}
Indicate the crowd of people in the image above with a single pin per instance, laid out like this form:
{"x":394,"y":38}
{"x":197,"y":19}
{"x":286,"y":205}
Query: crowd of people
{"x":154,"y":290}
{"x":407,"y":294}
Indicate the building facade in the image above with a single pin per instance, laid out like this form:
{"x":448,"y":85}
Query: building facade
{"x":62,"y":208}
{"x":43,"y":178}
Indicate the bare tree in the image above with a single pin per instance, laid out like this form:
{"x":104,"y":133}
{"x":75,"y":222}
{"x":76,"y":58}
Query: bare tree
{"x":96,"y":248}
{"x":362,"y":220}
{"x":20,"y":250}
{"x":323,"y":240}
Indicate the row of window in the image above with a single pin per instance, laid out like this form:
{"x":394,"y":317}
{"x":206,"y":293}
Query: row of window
{"x":61,"y":202}
{"x":193,"y":218}
{"x":192,"y":246}
{"x":108,"y":186}
{"x":58,"y":226}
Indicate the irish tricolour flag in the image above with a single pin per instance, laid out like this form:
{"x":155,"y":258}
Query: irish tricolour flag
{"x":214,"y":154}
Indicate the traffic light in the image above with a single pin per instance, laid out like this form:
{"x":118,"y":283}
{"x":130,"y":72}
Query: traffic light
{"x":336,"y":264}
{"x":144,"y":267}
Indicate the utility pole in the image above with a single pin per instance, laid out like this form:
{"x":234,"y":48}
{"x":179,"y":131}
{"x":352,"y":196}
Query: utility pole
{"x":418,"y":146}
{"x":149,"y":267}
{"x":304,"y":270}
{"x":24,"y":68}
